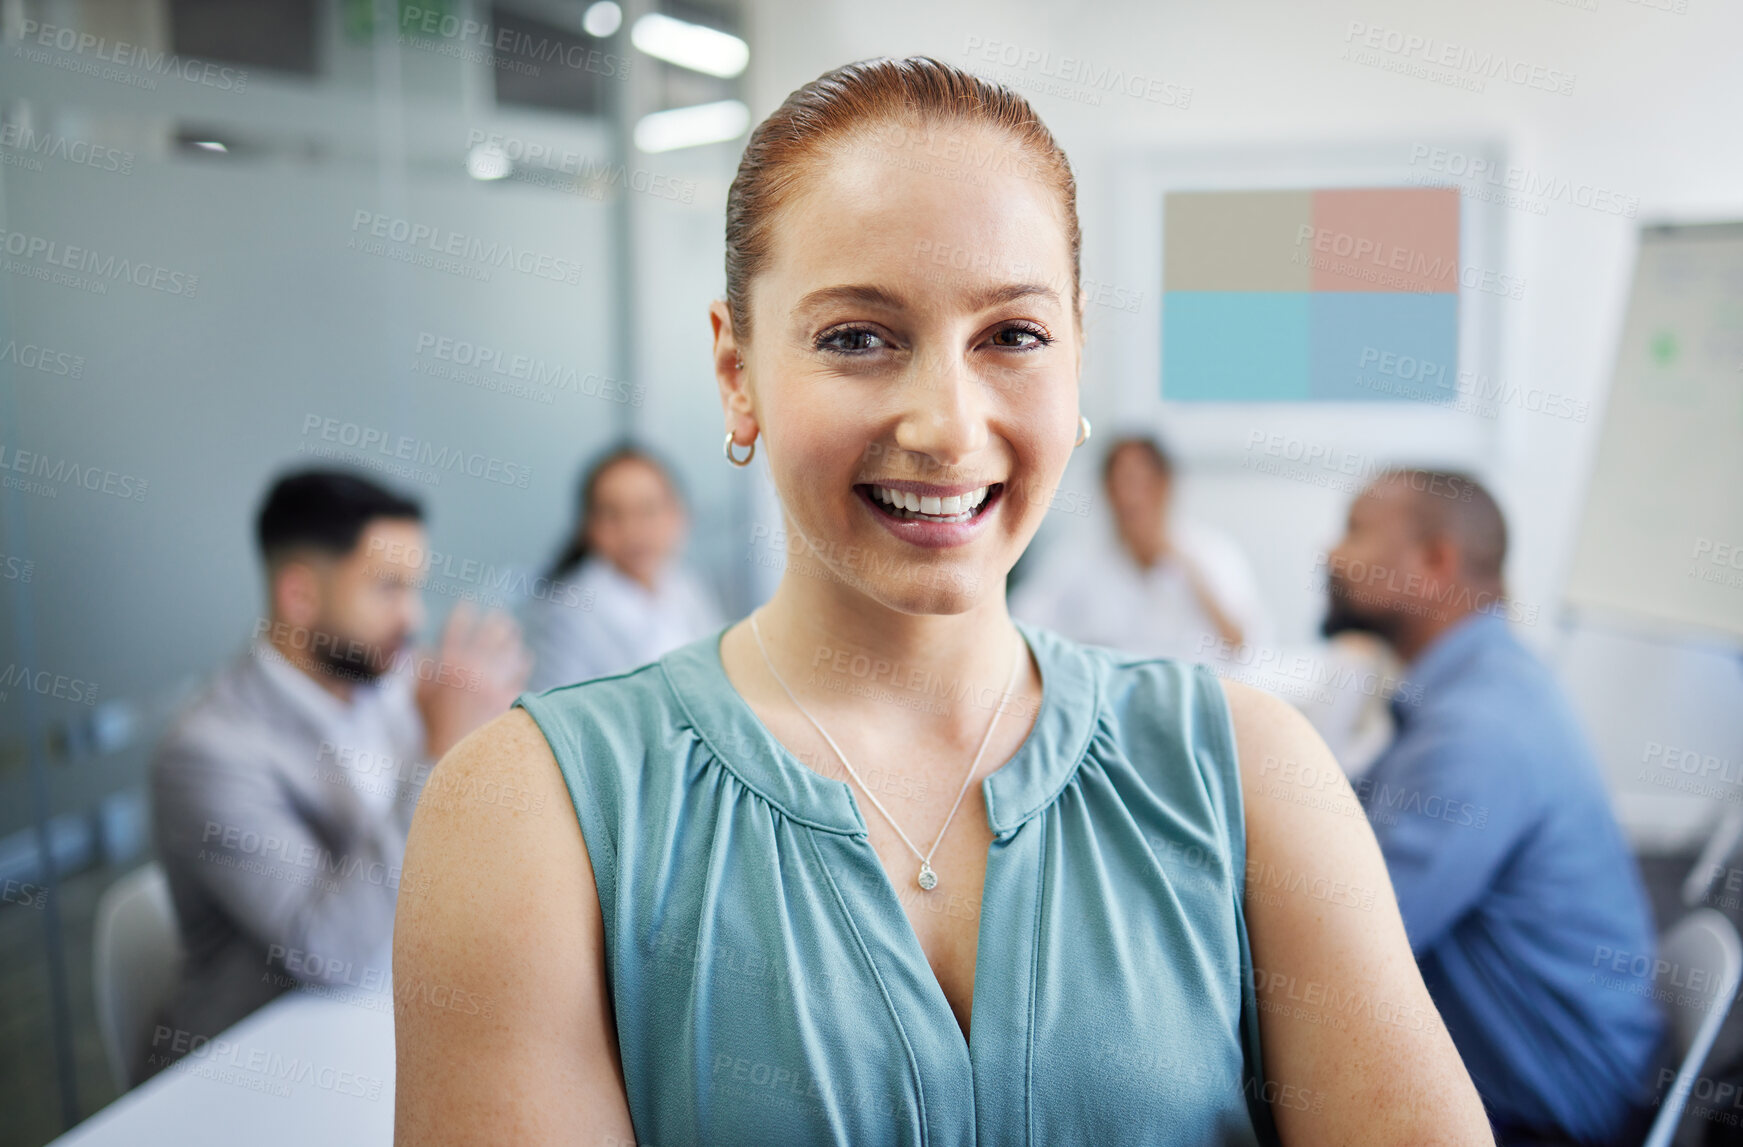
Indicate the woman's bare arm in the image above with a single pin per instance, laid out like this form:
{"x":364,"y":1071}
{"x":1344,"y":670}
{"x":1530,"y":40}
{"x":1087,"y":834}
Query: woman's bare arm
{"x":502,"y":1020}
{"x":1355,"y":1052}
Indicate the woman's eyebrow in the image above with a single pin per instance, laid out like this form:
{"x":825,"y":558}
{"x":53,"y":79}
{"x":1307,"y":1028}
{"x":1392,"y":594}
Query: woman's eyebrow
{"x":1010,"y":293}
{"x":858,"y":293}
{"x":872,"y":295}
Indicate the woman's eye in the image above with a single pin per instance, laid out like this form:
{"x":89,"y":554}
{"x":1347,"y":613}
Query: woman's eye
{"x":1023,"y":337}
{"x":850,"y":340}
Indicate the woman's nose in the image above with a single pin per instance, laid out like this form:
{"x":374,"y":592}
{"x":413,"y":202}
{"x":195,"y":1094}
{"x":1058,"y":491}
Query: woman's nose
{"x":945,"y":416}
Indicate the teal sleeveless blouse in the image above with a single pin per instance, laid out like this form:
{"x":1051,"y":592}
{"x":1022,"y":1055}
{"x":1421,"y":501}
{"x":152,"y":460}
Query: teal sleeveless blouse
{"x":769,"y":988}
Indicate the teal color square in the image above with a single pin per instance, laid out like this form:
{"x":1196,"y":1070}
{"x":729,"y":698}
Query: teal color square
{"x":1236,"y":346}
{"x":1385,"y":347}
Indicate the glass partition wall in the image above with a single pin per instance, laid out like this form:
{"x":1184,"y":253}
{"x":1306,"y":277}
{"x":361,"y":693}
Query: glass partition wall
{"x":459,"y":246}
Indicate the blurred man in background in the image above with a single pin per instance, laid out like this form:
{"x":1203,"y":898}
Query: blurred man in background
{"x":1512,"y":874}
{"x":1161,"y":586}
{"x":281,"y":796}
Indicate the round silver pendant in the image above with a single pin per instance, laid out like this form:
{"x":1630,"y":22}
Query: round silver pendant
{"x":928,"y":879}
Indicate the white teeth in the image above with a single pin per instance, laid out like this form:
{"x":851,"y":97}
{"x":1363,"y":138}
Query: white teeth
{"x":956,"y":508}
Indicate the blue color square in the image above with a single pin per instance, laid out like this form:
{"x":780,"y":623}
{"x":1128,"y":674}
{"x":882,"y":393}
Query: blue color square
{"x":1235,"y":346}
{"x":1385,"y":347}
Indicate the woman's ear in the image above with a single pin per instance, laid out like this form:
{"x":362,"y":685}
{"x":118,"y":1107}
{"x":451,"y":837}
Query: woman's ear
{"x":733,"y":378}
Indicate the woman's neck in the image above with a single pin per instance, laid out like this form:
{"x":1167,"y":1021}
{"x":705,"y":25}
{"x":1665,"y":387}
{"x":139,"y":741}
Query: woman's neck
{"x":817,"y":625}
{"x":648,"y":580}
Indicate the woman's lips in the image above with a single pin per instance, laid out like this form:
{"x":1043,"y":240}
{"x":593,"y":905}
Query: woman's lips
{"x":931,"y":530}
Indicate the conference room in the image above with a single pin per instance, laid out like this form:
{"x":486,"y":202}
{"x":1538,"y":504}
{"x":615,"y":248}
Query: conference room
{"x":753,"y":571}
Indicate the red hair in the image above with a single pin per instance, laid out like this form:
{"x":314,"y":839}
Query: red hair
{"x":849,"y":104}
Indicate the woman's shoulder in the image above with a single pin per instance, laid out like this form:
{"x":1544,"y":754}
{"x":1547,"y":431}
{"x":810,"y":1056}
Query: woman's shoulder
{"x":505,"y":766}
{"x":1158,"y":712}
{"x":1152,"y":715}
{"x":640,"y":701}
{"x":1145,"y":687}
{"x":1134,"y":686}
{"x":499,"y":929}
{"x":642,"y":684}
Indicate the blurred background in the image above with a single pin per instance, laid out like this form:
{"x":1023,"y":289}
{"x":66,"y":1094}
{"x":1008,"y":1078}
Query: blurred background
{"x":312,"y":230}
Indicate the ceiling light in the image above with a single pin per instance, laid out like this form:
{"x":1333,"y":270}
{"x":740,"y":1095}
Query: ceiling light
{"x":602,"y":19}
{"x":487,"y":161}
{"x":690,"y":45}
{"x":692,"y":126}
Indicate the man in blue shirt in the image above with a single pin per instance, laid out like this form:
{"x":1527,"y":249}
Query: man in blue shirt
{"x":1512,"y":875}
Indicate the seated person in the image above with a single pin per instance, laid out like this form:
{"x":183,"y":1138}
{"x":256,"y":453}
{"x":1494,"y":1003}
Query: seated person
{"x":281,"y":796}
{"x":634,"y":601}
{"x":1510,"y":869}
{"x":1161,"y":586}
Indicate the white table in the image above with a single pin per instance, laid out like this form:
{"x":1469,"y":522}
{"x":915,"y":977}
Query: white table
{"x":306,"y":1070}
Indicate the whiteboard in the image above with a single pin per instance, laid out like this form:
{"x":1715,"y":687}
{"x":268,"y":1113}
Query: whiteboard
{"x":1662,"y":532}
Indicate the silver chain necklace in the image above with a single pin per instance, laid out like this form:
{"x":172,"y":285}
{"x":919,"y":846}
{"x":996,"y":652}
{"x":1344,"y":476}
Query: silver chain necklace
{"x":927,"y":878}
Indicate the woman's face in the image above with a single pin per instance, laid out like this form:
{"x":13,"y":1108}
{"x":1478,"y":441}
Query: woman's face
{"x":635,"y":522}
{"x":1138,"y":492}
{"x":913,"y":339}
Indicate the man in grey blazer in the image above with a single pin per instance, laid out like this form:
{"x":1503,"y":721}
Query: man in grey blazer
{"x":282,"y":795}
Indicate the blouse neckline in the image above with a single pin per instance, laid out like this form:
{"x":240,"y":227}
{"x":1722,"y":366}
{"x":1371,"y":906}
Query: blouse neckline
{"x":1015,"y":792}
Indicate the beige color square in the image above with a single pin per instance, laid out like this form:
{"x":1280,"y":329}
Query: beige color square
{"x":1236,"y":241}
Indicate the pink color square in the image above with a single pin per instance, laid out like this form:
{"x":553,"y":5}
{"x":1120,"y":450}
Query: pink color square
{"x":1396,"y":239}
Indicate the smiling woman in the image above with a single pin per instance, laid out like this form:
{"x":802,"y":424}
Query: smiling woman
{"x":719,"y":946}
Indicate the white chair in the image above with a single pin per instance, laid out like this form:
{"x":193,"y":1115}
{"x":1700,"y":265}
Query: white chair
{"x":1703,"y":943}
{"x":137,"y":957}
{"x":1715,"y":855}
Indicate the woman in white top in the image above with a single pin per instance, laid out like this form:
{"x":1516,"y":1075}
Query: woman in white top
{"x":1153,"y":584}
{"x":633,"y":602}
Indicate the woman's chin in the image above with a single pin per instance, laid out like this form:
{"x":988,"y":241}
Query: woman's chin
{"x":924,"y":588}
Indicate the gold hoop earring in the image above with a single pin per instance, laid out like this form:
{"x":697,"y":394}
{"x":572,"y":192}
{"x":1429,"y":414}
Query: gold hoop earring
{"x":749,"y":454}
{"x":1082,"y":431}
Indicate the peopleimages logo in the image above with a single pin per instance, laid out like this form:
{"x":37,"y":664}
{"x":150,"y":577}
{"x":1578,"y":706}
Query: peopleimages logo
{"x":417,"y":451}
{"x":493,"y":44}
{"x":492,"y":366}
{"x":44,"y":683}
{"x":1397,"y":268}
{"x":57,"y":472}
{"x":592,"y":176}
{"x":1469,"y":392}
{"x":512,"y":582}
{"x":427,"y":238}
{"x":30,"y":356}
{"x":1535,"y":187}
{"x":1460,"y":60}
{"x":105,"y":268}
{"x":77,"y":43}
{"x":15,"y":136}
{"x":1089,"y":78}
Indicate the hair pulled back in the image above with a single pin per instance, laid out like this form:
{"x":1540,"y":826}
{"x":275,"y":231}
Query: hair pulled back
{"x":854,"y":102}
